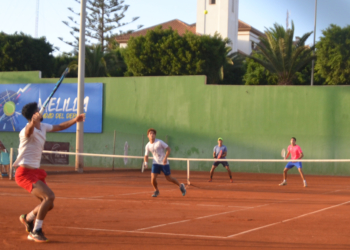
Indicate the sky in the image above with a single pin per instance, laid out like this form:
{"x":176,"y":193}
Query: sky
{"x":20,"y":15}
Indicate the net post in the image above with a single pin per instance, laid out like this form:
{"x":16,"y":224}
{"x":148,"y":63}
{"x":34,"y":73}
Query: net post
{"x":113,"y":150}
{"x":188,"y":172}
{"x":11,"y":166}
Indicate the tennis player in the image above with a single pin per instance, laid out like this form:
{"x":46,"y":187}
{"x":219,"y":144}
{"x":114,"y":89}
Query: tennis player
{"x":296,"y":154}
{"x":160,"y":151}
{"x":220,"y":149}
{"x":29,"y":175}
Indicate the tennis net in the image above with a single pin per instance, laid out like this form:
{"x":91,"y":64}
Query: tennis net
{"x":190,"y":166}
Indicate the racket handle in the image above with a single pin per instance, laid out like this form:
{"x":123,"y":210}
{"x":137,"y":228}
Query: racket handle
{"x":41,"y":112}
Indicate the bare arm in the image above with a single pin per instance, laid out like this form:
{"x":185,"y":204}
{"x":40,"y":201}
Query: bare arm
{"x":224,"y":154}
{"x":167,"y":153}
{"x":301,"y":155}
{"x":145,"y":160}
{"x":214,"y":156}
{"x":288,"y":153}
{"x":67,"y":124}
{"x":32,"y":124}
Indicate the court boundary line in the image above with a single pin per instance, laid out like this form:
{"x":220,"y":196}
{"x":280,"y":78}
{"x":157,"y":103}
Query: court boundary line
{"x":204,"y":236}
{"x":143,"y":232}
{"x":287,"y":220}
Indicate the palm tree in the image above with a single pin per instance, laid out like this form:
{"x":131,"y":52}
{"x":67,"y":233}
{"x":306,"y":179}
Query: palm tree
{"x":95,"y":64}
{"x":281,"y":56}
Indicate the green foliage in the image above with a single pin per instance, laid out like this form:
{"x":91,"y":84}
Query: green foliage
{"x":256,"y":74}
{"x":165,"y":52}
{"x":101,"y":64}
{"x":280,"y":55}
{"x":61,"y":62}
{"x":234,"y":70}
{"x":20,"y":52}
{"x":333,"y":55}
{"x":103,"y":16}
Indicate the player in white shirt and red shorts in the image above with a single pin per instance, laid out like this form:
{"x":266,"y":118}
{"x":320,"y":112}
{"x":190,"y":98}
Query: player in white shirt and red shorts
{"x":160,"y":161}
{"x":296,"y":154}
{"x":28,"y":174}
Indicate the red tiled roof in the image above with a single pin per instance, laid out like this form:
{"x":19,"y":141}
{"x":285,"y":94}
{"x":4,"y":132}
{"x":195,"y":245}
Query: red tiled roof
{"x":242,"y":26}
{"x":181,"y":28}
{"x":176,"y":24}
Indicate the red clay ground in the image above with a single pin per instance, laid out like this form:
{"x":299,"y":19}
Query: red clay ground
{"x":115,"y":210}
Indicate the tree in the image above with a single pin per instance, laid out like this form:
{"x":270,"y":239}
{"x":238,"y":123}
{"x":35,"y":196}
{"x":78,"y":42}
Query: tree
{"x":103,"y":16}
{"x":234,"y":70}
{"x":280,"y":55}
{"x":333,"y":55}
{"x":100,"y":64}
{"x":165,"y":52}
{"x":20,"y":52}
{"x":256,"y":74}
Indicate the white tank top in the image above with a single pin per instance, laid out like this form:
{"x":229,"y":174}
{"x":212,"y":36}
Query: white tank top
{"x":30,"y":149}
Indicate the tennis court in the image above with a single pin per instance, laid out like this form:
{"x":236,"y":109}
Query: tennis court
{"x":115,"y":210}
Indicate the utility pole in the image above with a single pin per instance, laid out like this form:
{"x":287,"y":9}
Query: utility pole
{"x":313,"y":61}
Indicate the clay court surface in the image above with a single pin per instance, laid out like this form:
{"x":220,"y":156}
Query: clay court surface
{"x":115,"y":210}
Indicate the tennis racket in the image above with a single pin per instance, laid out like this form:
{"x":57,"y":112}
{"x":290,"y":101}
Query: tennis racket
{"x":219,"y":155}
{"x":283,"y":153}
{"x":66,"y":71}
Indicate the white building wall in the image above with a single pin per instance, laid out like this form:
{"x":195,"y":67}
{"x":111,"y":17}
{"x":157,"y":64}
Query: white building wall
{"x":245,"y":40}
{"x":222,"y":17}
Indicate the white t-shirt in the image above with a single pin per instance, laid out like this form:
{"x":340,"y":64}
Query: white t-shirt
{"x":30,"y":149}
{"x":157,"y":148}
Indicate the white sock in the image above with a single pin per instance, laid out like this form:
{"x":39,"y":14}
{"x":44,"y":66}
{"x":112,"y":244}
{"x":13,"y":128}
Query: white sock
{"x":284,"y":181}
{"x":304,"y":181}
{"x":30,"y":217}
{"x":38,"y":224}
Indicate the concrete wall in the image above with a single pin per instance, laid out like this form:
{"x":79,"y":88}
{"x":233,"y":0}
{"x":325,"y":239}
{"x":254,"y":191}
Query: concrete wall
{"x":254,"y":121}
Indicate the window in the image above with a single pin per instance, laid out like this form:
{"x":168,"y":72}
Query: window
{"x":212,"y":1}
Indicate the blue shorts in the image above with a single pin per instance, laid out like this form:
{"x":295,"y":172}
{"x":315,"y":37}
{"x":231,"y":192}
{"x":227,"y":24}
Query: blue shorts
{"x":157,"y":168}
{"x":292,"y":164}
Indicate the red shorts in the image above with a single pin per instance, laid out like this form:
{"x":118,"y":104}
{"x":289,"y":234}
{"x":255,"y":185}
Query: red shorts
{"x":26,"y":177}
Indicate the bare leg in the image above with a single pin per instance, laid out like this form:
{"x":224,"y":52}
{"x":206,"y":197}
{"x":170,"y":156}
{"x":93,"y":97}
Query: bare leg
{"x":47,"y":197}
{"x":301,"y":174}
{"x":212,"y":171}
{"x":285,"y":174}
{"x":229,"y":172}
{"x":172,"y":179}
{"x":154,"y":181}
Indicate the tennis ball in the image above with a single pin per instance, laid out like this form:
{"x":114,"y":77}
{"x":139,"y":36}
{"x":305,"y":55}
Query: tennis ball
{"x":205,"y":12}
{"x":9,"y":108}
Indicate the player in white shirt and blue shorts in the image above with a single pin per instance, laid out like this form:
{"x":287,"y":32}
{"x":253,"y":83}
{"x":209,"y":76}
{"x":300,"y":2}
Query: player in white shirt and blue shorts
{"x":160,"y":151}
{"x":28,"y":174}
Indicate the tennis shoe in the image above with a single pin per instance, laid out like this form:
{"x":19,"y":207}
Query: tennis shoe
{"x":29,"y":225}
{"x":183,"y":189}
{"x":155,"y":194}
{"x":283,"y":183}
{"x":210,"y":180}
{"x":37,"y":236}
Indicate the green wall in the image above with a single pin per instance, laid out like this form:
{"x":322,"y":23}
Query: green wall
{"x":254,"y":121}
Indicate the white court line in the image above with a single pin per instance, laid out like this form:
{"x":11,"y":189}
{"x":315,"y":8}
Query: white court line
{"x":141,"y":232}
{"x":171,"y":223}
{"x":294,"y":218}
{"x":208,"y":205}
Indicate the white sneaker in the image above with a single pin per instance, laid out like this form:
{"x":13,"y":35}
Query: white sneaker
{"x":305,"y":185}
{"x":283,"y":183}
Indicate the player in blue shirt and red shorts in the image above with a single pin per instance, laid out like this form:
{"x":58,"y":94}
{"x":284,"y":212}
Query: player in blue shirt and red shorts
{"x":220,"y":152}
